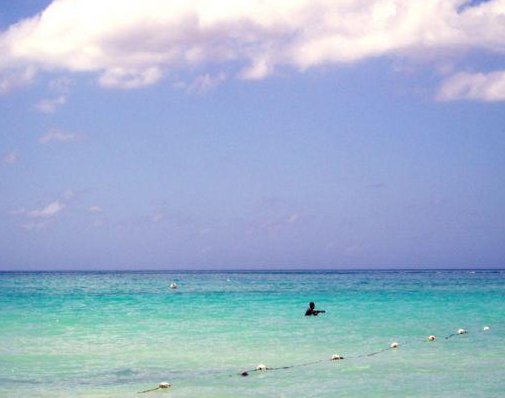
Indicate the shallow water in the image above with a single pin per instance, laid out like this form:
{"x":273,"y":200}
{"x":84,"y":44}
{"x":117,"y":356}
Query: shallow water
{"x":112,"y":334}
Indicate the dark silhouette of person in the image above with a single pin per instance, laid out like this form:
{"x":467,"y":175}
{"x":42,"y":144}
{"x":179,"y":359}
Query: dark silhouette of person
{"x":312,"y":311}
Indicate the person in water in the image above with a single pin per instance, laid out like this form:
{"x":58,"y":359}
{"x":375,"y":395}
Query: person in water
{"x":312,"y":311}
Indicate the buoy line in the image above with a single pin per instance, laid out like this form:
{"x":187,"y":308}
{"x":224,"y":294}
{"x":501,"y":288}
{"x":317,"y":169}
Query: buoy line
{"x":263,"y":368}
{"x":335,"y":357}
{"x":162,"y":385}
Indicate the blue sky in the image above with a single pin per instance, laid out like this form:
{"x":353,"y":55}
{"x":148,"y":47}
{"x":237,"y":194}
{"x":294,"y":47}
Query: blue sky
{"x":161,"y":135}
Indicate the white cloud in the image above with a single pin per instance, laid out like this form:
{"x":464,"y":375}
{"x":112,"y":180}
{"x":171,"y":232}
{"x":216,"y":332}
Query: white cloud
{"x":56,"y":135}
{"x":130,"y":78}
{"x":42,"y":217}
{"x":47,"y":212}
{"x":11,"y":79}
{"x":60,"y":86}
{"x":206,"y":82}
{"x":10,"y":158}
{"x":49,"y":105}
{"x":95,"y":209}
{"x":474,"y":86}
{"x":134,"y":43}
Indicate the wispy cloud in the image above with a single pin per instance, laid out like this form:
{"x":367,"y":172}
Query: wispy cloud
{"x":11,"y":79}
{"x":127,"y":78}
{"x":48,"y":211}
{"x":57,"y":135}
{"x":35,"y":226}
{"x":204,"y":83}
{"x":131,"y":43}
{"x":49,"y":105}
{"x":61,"y":87}
{"x":10,"y":158}
{"x":38,"y":219}
{"x":42,"y":216}
{"x":95,"y":209}
{"x":474,"y":86}
{"x":279,"y":223}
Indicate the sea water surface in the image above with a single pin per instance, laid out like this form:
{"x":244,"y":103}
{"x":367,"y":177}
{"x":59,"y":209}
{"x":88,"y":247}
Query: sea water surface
{"x":113,"y":334}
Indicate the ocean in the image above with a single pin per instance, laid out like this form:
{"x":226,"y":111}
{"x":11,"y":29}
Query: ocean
{"x":115,"y":334}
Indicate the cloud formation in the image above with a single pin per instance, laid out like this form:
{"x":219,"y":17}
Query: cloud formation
{"x":13,"y":78}
{"x":48,"y":211}
{"x":61,"y":88}
{"x":56,"y":135}
{"x":49,"y":105}
{"x":135,"y":43}
{"x":205,"y":83}
{"x":41,"y":217}
{"x":95,"y":209}
{"x":488,"y":87}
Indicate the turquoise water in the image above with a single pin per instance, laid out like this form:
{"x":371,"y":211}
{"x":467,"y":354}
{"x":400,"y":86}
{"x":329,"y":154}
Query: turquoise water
{"x":113,"y":334}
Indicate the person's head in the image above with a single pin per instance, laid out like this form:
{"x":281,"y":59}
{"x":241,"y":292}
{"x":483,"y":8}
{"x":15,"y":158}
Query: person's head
{"x":312,"y":305}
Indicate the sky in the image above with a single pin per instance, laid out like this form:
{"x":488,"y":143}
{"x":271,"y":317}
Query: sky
{"x":244,"y":134}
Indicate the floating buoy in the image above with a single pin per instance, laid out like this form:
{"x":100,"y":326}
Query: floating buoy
{"x":394,"y":345}
{"x":244,"y":373}
{"x":485,"y":328}
{"x":431,"y":338}
{"x":162,"y":385}
{"x":173,"y":285}
{"x":461,"y":331}
{"x":261,"y":367}
{"x":336,"y":357}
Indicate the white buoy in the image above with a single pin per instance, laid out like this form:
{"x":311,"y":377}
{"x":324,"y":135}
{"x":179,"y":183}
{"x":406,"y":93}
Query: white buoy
{"x":261,"y":367}
{"x":461,"y":331}
{"x":394,"y":345}
{"x":336,"y":357}
{"x":485,"y":328}
{"x":173,"y":285}
{"x":164,"y":384}
{"x":431,"y":338}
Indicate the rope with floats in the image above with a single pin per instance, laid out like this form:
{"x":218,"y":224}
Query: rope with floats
{"x":335,"y":357}
{"x":263,"y":368}
{"x":162,"y":385}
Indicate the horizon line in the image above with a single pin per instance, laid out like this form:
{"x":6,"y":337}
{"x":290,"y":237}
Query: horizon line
{"x":269,"y":269}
